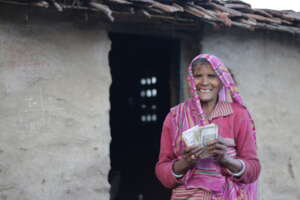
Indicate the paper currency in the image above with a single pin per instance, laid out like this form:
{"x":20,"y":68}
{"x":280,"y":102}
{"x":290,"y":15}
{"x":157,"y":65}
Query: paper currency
{"x":192,"y":136}
{"x":200,"y":135}
{"x":209,"y":133}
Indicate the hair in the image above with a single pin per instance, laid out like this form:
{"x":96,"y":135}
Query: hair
{"x":204,"y":61}
{"x":200,"y":61}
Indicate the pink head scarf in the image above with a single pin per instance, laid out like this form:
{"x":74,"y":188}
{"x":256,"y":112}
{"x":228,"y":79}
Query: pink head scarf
{"x":228,"y":92}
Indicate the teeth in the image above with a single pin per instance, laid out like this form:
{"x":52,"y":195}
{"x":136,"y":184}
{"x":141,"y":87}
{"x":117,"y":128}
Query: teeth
{"x":207,"y":90}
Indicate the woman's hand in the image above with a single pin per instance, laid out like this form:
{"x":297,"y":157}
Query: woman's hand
{"x":217,"y":148}
{"x":193,"y":153}
{"x":189,"y":158}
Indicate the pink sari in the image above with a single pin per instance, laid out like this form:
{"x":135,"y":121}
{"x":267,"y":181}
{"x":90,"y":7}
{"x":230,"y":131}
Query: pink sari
{"x":207,"y":174}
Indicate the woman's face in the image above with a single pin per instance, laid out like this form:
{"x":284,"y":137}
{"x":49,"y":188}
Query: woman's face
{"x":207,"y":82}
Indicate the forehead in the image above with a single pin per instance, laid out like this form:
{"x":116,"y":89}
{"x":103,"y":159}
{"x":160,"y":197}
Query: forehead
{"x":203,"y":68}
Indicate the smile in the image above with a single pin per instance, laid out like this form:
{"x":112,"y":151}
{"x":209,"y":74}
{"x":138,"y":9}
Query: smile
{"x":205,"y":90}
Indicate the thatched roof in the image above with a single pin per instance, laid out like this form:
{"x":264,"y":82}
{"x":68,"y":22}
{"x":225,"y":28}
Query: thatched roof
{"x":185,"y":13}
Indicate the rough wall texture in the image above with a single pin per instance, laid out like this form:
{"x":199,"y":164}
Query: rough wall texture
{"x":267,"y":67}
{"x":54,"y":103}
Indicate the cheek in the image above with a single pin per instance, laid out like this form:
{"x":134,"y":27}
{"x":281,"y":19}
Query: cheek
{"x":197,"y":81}
{"x":218,"y":84}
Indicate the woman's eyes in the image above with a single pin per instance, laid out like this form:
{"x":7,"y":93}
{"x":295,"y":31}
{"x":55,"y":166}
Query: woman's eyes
{"x":212,"y":75}
{"x":197,"y":75}
{"x":208,"y":75}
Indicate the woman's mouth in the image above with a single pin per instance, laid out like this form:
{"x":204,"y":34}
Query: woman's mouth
{"x":205,"y":90}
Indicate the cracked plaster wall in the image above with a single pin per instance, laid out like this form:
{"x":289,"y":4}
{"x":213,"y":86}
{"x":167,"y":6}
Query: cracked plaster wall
{"x":54,"y":111}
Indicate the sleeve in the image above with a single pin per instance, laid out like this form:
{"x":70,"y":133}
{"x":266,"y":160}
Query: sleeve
{"x":163,"y":168}
{"x":246,"y":147}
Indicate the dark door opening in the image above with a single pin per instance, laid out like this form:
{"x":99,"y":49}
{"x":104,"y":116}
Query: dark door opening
{"x":140,"y":99}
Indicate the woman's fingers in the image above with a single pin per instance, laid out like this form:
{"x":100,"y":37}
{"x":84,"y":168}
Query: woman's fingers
{"x":189,"y":149}
{"x":193,"y":157}
{"x":200,"y":153}
{"x":203,"y":153}
{"x":197,"y":149}
{"x":193,"y":153}
{"x":188,"y":154}
{"x":222,"y":140}
{"x":212,"y":142}
{"x":219,"y":140}
{"x":216,"y":146}
{"x":217,"y":152}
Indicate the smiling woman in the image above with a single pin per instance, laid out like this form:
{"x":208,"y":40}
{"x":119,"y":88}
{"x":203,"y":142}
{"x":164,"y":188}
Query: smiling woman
{"x":207,"y":84}
{"x":227,"y":167}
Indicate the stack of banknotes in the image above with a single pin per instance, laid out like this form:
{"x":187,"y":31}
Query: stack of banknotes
{"x":200,"y":135}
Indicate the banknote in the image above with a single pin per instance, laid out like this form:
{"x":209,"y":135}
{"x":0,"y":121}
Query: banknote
{"x":192,"y":136}
{"x":208,"y":133}
{"x":200,"y":135}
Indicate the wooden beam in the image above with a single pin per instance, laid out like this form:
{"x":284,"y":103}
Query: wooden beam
{"x":166,"y":8}
{"x":57,"y":5}
{"x":103,"y":8}
{"x":242,"y":25}
{"x":262,"y":18}
{"x":232,"y":12}
{"x":122,"y":2}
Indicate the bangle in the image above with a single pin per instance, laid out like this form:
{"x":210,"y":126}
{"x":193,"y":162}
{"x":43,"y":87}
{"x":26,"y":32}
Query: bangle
{"x":241,"y":172}
{"x":177,"y":175}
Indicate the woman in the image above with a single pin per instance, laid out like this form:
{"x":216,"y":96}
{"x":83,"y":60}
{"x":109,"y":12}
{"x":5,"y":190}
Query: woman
{"x":228,"y":167}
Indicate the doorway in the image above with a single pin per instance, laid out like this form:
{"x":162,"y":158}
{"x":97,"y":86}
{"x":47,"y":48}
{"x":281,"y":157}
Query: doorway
{"x":142,"y":69}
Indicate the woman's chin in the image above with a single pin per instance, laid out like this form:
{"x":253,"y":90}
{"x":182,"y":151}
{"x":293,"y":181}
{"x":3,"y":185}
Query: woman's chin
{"x":206,"y":100}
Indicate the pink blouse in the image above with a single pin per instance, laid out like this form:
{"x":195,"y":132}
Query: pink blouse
{"x":234,"y":125}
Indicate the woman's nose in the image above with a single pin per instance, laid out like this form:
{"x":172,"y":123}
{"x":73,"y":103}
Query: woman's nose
{"x":204,"y":81}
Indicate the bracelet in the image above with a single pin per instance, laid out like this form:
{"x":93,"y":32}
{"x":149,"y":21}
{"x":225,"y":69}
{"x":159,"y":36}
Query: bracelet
{"x":241,"y":172}
{"x":177,"y":175}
